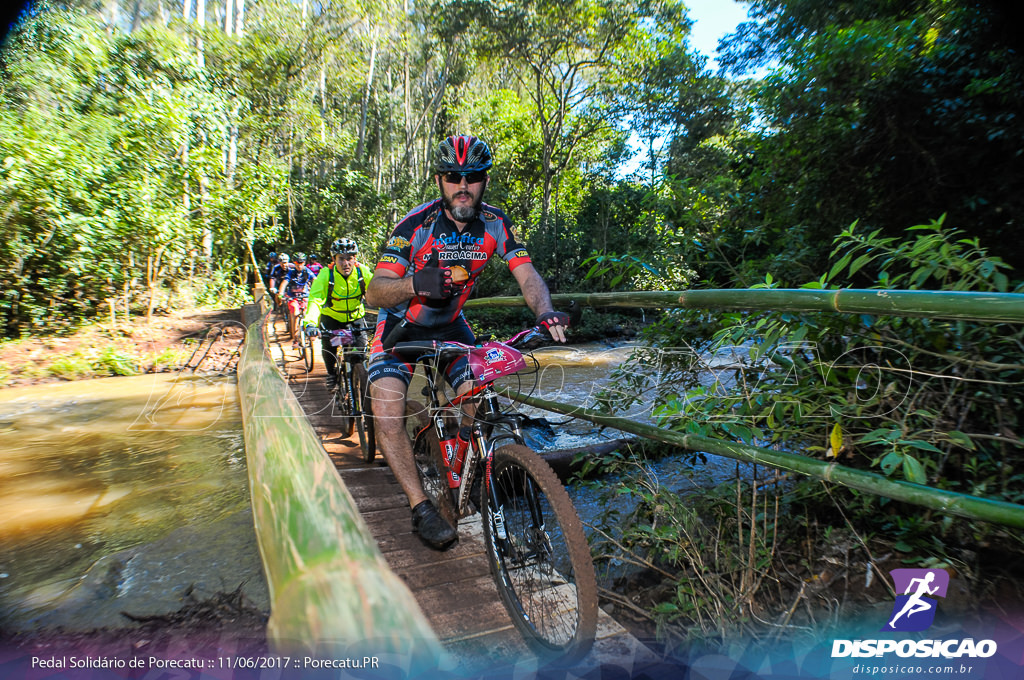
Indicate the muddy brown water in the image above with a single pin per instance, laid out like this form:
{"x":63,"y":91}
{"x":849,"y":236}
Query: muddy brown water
{"x":125,"y":494}
{"x":122,"y":495}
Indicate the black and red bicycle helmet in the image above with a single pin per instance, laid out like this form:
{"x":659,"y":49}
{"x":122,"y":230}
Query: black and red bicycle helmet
{"x":463,"y":153}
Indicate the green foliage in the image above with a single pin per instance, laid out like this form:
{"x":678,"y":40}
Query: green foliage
{"x":936,"y":257}
{"x":710,"y":553}
{"x":70,"y":368}
{"x":93,"y":362}
{"x":219,"y":290}
{"x":106,"y":142}
{"x":880,"y":112}
{"x":916,"y":399}
{"x":111,"y":361}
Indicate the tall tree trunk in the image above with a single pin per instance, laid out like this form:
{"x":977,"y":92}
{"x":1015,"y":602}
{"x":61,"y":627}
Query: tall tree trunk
{"x":366,"y":99}
{"x":201,"y":20}
{"x":136,"y":16}
{"x":231,"y":153}
{"x":410,"y":147}
{"x":113,"y":13}
{"x":323,"y":102}
{"x":229,"y":17}
{"x":186,"y":10}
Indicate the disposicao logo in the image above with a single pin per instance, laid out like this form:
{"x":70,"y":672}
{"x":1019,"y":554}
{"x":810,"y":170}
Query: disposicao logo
{"x":914,"y":610}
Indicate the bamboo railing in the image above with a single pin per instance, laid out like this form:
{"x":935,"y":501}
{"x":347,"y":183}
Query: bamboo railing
{"x":332,"y":593}
{"x":938,"y":304}
{"x":959,"y":504}
{"x":990,"y":307}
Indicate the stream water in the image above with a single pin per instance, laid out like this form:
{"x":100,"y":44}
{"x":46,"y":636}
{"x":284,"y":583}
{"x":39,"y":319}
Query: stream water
{"x":578,"y":375}
{"x":121,"y":494}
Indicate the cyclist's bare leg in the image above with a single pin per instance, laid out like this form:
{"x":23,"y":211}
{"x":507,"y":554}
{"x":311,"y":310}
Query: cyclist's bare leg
{"x":388,"y":396}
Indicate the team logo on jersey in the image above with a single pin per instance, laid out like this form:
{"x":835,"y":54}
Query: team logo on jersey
{"x":390,"y":259}
{"x":397,"y":242}
{"x":521,"y":253}
{"x":460,"y":240}
{"x":488,"y":216}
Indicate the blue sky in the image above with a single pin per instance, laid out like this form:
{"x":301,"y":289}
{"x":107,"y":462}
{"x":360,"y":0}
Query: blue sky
{"x":713,"y":19}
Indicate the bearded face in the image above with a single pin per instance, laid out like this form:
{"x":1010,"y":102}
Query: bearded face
{"x":462,"y":200}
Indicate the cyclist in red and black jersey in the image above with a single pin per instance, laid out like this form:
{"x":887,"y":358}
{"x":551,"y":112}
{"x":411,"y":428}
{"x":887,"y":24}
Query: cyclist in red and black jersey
{"x":425,"y":274}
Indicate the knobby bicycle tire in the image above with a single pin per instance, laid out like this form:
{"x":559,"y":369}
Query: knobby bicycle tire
{"x":343,"y":399}
{"x":542,"y":566}
{"x":308,"y":353}
{"x":364,"y":421}
{"x":430,"y":466}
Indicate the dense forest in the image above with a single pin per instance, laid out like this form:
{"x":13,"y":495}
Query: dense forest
{"x":149,"y":141}
{"x":150,"y":145}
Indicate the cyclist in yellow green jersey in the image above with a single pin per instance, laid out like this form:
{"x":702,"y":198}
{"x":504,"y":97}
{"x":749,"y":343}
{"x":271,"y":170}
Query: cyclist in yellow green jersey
{"x":336,"y":300}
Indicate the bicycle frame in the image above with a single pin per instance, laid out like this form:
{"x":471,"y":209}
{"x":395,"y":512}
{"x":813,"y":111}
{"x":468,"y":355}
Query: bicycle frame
{"x":348,"y":395}
{"x":535,"y":545}
{"x":492,"y":427}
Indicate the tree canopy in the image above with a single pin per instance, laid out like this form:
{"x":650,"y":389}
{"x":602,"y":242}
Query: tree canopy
{"x":144,"y":140}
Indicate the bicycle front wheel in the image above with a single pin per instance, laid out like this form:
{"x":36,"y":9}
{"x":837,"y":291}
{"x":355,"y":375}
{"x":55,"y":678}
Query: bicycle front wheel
{"x":539,"y":555}
{"x":343,"y":400}
{"x":308,"y":355}
{"x":364,"y":420}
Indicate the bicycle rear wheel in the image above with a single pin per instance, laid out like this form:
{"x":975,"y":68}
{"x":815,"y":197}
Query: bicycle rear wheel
{"x":430,"y":466}
{"x":364,"y":421}
{"x":539,"y":555}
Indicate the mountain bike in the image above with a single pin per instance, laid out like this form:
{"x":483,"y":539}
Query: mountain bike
{"x":351,"y":392}
{"x":536,"y":548}
{"x":300,"y":341}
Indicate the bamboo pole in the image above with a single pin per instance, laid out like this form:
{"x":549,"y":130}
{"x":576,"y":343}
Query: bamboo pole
{"x":1007,"y":307}
{"x":962,"y":505}
{"x":995,"y":307}
{"x":332,"y":593}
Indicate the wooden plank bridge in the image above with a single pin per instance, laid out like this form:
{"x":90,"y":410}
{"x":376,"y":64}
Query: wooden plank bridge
{"x":454,"y":588}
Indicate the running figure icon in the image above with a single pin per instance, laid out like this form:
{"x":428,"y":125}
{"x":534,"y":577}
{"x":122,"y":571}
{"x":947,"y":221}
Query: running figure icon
{"x":916,"y":585}
{"x":915,"y":604}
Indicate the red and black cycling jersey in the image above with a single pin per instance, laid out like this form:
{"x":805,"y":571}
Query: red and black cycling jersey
{"x":427,"y":238}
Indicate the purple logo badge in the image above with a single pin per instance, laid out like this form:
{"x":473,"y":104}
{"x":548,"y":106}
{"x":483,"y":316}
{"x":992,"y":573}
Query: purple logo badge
{"x":914,"y":609}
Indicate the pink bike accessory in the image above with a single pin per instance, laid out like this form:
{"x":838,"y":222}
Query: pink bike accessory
{"x":342,"y":338}
{"x":493,"y":360}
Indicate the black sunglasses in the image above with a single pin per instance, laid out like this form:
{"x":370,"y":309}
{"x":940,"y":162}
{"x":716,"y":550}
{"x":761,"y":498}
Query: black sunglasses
{"x":471,"y":177}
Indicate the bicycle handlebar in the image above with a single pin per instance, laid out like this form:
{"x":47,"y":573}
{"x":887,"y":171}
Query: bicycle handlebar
{"x":362,"y":326}
{"x":525,"y":341}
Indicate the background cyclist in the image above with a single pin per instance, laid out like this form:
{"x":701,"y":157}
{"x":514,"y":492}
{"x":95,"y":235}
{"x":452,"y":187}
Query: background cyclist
{"x":314,"y":265}
{"x":336,"y":300}
{"x":425,"y":274}
{"x":271,"y":263}
{"x":294,"y":290}
{"x":277,"y":275}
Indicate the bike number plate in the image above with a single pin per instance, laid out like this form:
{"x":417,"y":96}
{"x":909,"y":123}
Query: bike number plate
{"x":493,"y":360}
